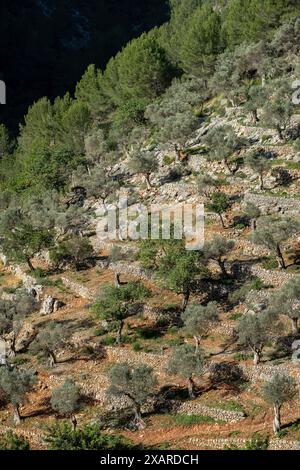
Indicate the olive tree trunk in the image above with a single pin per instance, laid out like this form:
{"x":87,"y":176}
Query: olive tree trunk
{"x":191,"y":388}
{"x":52,"y":358}
{"x":119,"y":332}
{"x":277,"y":418}
{"x":185,"y":300}
{"x":17,"y":416}
{"x":139,"y":423}
{"x":280,"y":258}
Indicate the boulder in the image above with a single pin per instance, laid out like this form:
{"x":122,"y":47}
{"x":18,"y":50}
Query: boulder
{"x":25,"y":337}
{"x":50,"y":304}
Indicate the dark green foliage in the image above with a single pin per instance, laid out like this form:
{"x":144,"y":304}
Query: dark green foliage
{"x":116,"y":303}
{"x":11,"y":441}
{"x":179,"y":268}
{"x":219,"y":203}
{"x":258,"y":442}
{"x":5,"y":142}
{"x":73,"y":252}
{"x":201,"y":42}
{"x":22,"y":238}
{"x":140,"y":72}
{"x":63,"y":437}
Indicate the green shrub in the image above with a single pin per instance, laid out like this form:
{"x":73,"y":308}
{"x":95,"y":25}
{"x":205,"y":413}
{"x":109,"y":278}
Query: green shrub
{"x":63,"y":437}
{"x":270,"y":263}
{"x":11,"y":441}
{"x":108,"y":341}
{"x":137,"y":347}
{"x":257,"y":442}
{"x":189,"y":420}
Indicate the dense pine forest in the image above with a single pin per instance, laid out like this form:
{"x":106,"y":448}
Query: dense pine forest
{"x":144,"y":344}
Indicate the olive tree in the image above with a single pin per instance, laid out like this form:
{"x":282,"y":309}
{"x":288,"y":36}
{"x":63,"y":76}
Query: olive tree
{"x":65,"y":400}
{"x":253,"y":212}
{"x":22,"y":240}
{"x":73,"y":252}
{"x":173,"y":116}
{"x":222,"y":143}
{"x":217,"y":250}
{"x":144,"y":163}
{"x":98,"y":183}
{"x":52,"y":338}
{"x":15,"y":383}
{"x":279,"y":390}
{"x":116,"y":303}
{"x":198,"y":320}
{"x":253,"y":332}
{"x":279,"y":109}
{"x":287,"y":302}
{"x":206,"y":184}
{"x":179,"y":269}
{"x":12,"y":315}
{"x":273,"y":232}
{"x":219,"y":203}
{"x":137,"y":384}
{"x":187,"y":362}
{"x":260,"y":161}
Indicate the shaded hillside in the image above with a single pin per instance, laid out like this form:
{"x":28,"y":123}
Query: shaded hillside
{"x":47,"y":44}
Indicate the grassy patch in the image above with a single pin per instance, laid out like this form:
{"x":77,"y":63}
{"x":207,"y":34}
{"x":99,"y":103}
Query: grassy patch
{"x":190,"y":420}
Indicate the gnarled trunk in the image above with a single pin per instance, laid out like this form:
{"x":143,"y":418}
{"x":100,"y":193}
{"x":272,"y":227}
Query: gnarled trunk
{"x":277,"y":418}
{"x":185,"y":300}
{"x":139,"y":423}
{"x":222,"y":267}
{"x":148,"y":182}
{"x":197,"y":343}
{"x":254,"y":224}
{"x":73,"y":421}
{"x":191,"y":388}
{"x":17,"y":416}
{"x":30,"y":265}
{"x":261,"y":178}
{"x":119,"y":332}
{"x":256,"y":357}
{"x":255,"y":116}
{"x":280,"y":133}
{"x":52,"y":358}
{"x":177,"y":151}
{"x":227,"y":166}
{"x":222,"y":221}
{"x":117,"y":279}
{"x":280,"y":258}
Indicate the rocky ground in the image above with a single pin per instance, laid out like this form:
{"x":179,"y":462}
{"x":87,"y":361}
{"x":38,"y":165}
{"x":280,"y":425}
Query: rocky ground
{"x":221,"y":415}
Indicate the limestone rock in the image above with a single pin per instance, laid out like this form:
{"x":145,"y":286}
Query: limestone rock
{"x":50,"y":305}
